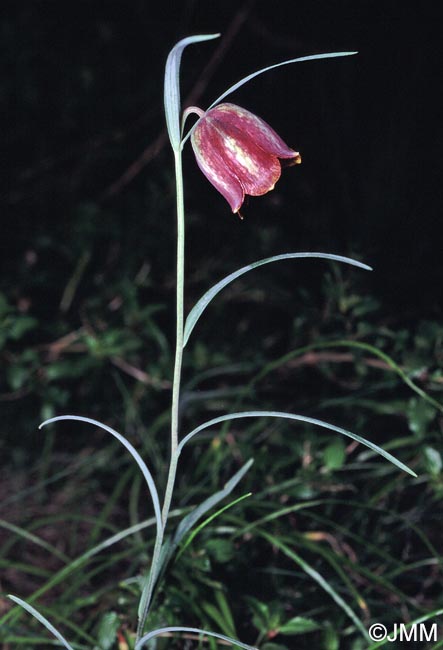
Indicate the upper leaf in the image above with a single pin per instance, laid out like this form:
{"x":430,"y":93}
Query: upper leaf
{"x":134,"y":453}
{"x":172,"y":86}
{"x":204,"y":301}
{"x":300,"y":418}
{"x":299,"y":59}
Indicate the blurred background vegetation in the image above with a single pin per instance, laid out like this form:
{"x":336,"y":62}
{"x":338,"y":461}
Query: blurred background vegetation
{"x":86,"y":320}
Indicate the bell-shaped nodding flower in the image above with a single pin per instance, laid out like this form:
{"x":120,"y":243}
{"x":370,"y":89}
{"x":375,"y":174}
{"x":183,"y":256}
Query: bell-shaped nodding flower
{"x":238,"y":152}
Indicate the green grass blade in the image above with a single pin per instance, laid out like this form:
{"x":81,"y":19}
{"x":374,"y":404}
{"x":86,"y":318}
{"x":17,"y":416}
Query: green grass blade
{"x":300,"y":59}
{"x":339,"y":566}
{"x":204,"y":301}
{"x":44,"y":621}
{"x":33,"y":539}
{"x":102,"y":518}
{"x":276,"y":514}
{"x":191,"y":519}
{"x":301,"y":418}
{"x":307,"y":568}
{"x":195,"y":630}
{"x":392,"y":365}
{"x":226,"y":610}
{"x":23,"y":568}
{"x":347,"y":503}
{"x":172,"y":86}
{"x":217,"y":617}
{"x":208,"y":520}
{"x":358,"y":345}
{"x":83,"y":559}
{"x":34,"y":641}
{"x":134,"y":453}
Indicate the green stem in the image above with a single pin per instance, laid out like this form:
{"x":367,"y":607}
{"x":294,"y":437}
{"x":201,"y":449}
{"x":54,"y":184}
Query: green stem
{"x":179,"y":335}
{"x":145,"y":601}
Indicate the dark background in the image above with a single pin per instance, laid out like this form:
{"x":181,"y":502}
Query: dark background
{"x":81,"y":99}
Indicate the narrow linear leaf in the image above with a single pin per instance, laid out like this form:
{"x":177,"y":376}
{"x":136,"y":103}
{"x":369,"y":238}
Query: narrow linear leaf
{"x":189,"y":521}
{"x":301,"y":418}
{"x":172,"y":86}
{"x":340,"y":568}
{"x":221,"y":614}
{"x":392,"y":364}
{"x":215,"y":615}
{"x":300,"y":59}
{"x":207,"y":521}
{"x":276,"y":514}
{"x":134,"y":453}
{"x":195,"y":630}
{"x":315,"y":575}
{"x":80,"y":561}
{"x":204,"y":301}
{"x":44,"y":621}
{"x":33,"y":539}
{"x":359,"y":345}
{"x":311,"y":57}
{"x":28,"y":641}
{"x":225,"y":609}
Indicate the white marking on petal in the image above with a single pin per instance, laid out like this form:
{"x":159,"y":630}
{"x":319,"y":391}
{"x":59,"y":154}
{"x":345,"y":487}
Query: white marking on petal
{"x":241,"y":155}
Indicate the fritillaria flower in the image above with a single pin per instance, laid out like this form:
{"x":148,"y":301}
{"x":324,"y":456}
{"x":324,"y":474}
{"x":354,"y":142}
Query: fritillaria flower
{"x":238,"y":152}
